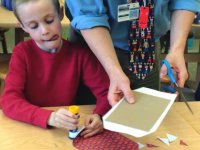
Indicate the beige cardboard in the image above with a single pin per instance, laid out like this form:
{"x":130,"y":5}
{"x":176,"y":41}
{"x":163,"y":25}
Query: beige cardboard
{"x":141,"y":115}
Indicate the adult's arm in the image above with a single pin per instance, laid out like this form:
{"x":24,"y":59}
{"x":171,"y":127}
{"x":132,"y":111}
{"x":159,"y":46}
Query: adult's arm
{"x":181,"y":21}
{"x":100,"y":43}
{"x":91,"y":19}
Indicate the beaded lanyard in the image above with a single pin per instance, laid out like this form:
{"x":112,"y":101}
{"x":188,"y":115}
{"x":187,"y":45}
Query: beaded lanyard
{"x":141,"y":40}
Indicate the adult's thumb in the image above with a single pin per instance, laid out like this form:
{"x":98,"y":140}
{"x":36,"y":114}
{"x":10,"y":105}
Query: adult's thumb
{"x":129,"y":96}
{"x":163,"y":71}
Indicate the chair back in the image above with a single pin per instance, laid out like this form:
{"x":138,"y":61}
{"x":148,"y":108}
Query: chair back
{"x":7,"y":4}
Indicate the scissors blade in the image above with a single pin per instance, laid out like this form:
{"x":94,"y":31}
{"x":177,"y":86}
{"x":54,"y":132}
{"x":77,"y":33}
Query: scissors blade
{"x":184,"y":99}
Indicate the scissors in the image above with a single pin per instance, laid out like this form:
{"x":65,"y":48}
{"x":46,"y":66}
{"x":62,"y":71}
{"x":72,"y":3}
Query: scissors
{"x":173,"y":80}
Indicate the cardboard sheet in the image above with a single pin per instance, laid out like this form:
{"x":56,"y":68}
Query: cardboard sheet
{"x":142,"y":117}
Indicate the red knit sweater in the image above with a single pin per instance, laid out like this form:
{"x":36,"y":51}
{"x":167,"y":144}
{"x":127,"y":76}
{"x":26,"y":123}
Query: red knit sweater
{"x":38,"y":79}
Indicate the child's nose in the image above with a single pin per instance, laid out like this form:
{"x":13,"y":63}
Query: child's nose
{"x":44,"y":29}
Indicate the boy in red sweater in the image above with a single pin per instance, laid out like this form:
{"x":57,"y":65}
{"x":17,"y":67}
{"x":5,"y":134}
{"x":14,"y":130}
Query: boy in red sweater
{"x":46,"y":71}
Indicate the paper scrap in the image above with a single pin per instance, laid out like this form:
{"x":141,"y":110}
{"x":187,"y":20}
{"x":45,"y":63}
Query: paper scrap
{"x":151,"y":145}
{"x":140,"y":145}
{"x":183,"y":143}
{"x":171,"y":137}
{"x":164,"y":140}
{"x":79,"y":131}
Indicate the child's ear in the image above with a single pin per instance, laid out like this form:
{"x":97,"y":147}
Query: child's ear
{"x":61,"y":12}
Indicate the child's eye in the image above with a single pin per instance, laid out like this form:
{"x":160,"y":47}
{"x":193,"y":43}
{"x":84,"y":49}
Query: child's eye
{"x":49,"y":21}
{"x":33,"y":26}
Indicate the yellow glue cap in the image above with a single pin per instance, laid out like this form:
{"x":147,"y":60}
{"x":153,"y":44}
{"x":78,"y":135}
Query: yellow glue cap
{"x":74,"y":109}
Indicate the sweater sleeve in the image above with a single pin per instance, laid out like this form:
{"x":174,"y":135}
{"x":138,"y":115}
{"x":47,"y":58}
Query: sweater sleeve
{"x":86,"y":14}
{"x":13,"y":101}
{"x":191,"y":5}
{"x":95,"y":77}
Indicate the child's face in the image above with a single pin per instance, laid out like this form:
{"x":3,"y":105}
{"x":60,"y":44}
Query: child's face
{"x":40,"y":19}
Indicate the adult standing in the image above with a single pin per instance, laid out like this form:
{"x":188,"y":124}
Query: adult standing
{"x":97,"y":22}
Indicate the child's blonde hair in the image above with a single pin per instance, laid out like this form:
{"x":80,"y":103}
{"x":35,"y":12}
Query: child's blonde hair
{"x":16,"y":3}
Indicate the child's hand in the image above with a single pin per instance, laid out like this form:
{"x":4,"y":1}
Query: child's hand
{"x":63,"y":119}
{"x":93,"y":125}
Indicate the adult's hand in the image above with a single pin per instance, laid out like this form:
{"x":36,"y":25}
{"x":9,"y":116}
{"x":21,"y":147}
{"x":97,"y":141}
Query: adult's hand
{"x":119,"y":87}
{"x":177,"y":62}
{"x":181,"y":21}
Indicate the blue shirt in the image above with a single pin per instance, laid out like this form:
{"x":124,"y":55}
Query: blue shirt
{"x":91,"y":13}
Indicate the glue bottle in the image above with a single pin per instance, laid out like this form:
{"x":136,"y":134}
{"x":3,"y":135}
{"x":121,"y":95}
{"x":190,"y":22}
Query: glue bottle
{"x":74,"y":110}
